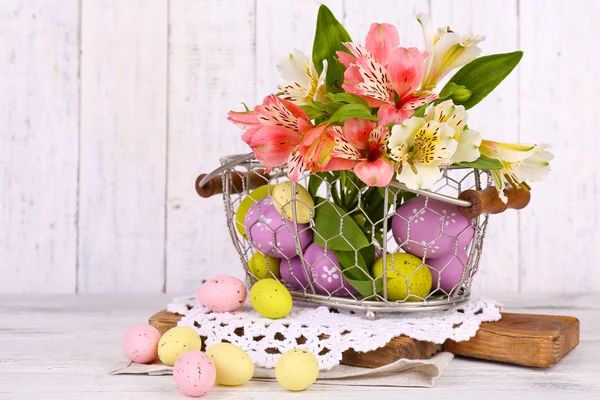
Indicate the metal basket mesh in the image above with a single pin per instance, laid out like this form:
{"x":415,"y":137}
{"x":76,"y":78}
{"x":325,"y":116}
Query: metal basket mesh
{"x":310,"y":289}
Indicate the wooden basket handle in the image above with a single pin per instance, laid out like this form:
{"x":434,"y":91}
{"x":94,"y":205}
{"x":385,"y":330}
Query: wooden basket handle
{"x":215,"y":185}
{"x":488,"y":201}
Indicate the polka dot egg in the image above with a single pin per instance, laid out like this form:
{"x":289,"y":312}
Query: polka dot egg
{"x":194,"y":373}
{"x":431,"y":228}
{"x":222,"y":294}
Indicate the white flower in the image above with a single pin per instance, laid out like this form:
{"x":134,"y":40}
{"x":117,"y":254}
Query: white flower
{"x":420,"y":147}
{"x":447,"y":50}
{"x":456,"y":116}
{"x":301,"y":84}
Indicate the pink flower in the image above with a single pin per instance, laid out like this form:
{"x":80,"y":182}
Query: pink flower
{"x":385,"y":75}
{"x":364,"y":143}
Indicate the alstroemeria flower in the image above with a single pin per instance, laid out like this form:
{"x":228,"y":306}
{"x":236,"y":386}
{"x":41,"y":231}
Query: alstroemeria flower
{"x":447,"y":50}
{"x":302,"y":84}
{"x":456,"y":116}
{"x":385,"y":75}
{"x":420,"y":147}
{"x":520,"y":163}
{"x":364,"y":143}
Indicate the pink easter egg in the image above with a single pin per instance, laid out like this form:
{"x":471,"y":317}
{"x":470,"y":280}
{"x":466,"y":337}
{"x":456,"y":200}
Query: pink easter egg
{"x":141,"y":343}
{"x":271,"y":233}
{"x":222,"y":294}
{"x":431,"y":228}
{"x":447,"y":271}
{"x":324,"y":270}
{"x":194,"y":373}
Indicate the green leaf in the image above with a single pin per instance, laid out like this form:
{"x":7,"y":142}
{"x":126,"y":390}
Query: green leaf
{"x":329,"y":36}
{"x":348,"y":98}
{"x":352,"y":111}
{"x":482,"y":75}
{"x":312,"y":112}
{"x":334,"y":231}
{"x":420,"y":112}
{"x":355,"y":271}
{"x":483,"y":162}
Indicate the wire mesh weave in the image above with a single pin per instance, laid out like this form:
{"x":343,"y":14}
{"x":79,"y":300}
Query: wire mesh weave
{"x":306,"y":284}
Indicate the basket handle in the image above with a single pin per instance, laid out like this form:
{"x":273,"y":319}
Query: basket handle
{"x":215,"y":184}
{"x":488,"y":201}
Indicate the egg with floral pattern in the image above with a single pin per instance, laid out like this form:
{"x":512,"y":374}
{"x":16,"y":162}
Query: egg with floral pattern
{"x":431,"y":228}
{"x":271,"y":233}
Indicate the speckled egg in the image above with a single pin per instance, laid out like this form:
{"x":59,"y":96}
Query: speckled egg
{"x":194,"y":373}
{"x":297,"y":369}
{"x":323,"y":268}
{"x":271,"y":299}
{"x":262,"y":266}
{"x":431,"y":228}
{"x":141,"y":343}
{"x":175,"y":342}
{"x":447,"y":270}
{"x":234,"y":365}
{"x":407,"y":277}
{"x":272,"y":234}
{"x":222,"y":294}
{"x":282,"y":200}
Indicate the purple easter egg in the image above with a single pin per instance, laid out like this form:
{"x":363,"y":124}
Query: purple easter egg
{"x":324,"y":270}
{"x":431,"y":228}
{"x":447,"y":271}
{"x":271,"y":233}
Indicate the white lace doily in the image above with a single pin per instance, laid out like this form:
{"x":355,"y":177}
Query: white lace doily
{"x":302,"y":328}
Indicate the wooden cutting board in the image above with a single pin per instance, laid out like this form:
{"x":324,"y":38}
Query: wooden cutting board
{"x":524,"y":339}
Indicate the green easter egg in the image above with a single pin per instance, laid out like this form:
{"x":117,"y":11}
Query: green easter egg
{"x":404,"y":266}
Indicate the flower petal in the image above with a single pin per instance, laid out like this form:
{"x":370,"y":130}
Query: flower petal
{"x":357,"y":130}
{"x":339,"y":164}
{"x":273,"y":144}
{"x":468,"y":146}
{"x":511,"y":152}
{"x":389,"y":114}
{"x":244,"y":120}
{"x":377,"y":173}
{"x":406,"y":69}
{"x":427,"y":175}
{"x":381,"y":41}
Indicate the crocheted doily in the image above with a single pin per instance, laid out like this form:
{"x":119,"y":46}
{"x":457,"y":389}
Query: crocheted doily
{"x":328,"y":332}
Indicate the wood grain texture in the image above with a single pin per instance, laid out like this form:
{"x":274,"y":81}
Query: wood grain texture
{"x":523,"y":339}
{"x":123,"y":146}
{"x":559,"y":95}
{"x":211,"y":71}
{"x":39,"y":107}
{"x":88,"y":347}
{"x":499,"y":266}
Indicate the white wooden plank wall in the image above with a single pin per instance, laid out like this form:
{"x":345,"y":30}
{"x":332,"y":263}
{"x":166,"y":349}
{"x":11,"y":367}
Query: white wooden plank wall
{"x":110,"y":109}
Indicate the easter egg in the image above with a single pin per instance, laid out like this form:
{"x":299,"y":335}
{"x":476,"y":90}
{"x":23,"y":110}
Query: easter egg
{"x":234,"y":366}
{"x":271,"y":299}
{"x":194,"y":373}
{"x":262,"y":266}
{"x":141,"y":343}
{"x":272,"y":234}
{"x":177,"y":341}
{"x":282,"y":200}
{"x":447,"y":271}
{"x":324,"y":269}
{"x":407,"y":277}
{"x":222,"y":294}
{"x":296,"y":369}
{"x":252,"y":198}
{"x":430,"y":228}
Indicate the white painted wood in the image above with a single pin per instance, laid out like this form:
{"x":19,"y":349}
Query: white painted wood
{"x":39,"y":106}
{"x":281,"y":27}
{"x":559,"y":93}
{"x":123,"y":146}
{"x":82,"y":341}
{"x":212,"y":70}
{"x":496,"y":118}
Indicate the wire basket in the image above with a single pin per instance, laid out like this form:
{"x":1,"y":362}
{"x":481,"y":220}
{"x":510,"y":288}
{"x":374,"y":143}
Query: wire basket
{"x":324,"y":279}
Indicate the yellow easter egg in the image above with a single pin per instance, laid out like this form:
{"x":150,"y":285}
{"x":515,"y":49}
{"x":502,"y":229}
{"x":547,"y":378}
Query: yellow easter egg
{"x":282,"y":200}
{"x":262,"y":266}
{"x":253,"y":197}
{"x":271,"y":299}
{"x":177,"y":341}
{"x":234,"y":366}
{"x":407,"y":274}
{"x":297,"y":369}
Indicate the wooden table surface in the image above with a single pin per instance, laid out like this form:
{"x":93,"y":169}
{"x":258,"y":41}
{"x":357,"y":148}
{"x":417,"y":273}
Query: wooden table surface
{"x":62,"y":347}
